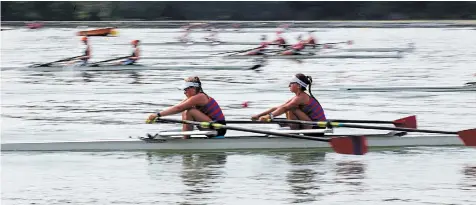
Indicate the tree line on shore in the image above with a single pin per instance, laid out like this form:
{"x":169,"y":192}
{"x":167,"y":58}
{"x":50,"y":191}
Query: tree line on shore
{"x":235,"y":10}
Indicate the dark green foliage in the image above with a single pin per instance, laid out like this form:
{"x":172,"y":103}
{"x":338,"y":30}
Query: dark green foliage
{"x":235,"y":10}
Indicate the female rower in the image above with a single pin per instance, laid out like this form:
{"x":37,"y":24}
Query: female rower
{"x":279,"y":40}
{"x":302,"y":106}
{"x":198,"y":107}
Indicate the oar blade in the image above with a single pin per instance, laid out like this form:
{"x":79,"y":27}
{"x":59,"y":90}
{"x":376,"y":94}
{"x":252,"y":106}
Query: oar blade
{"x":353,"y":145}
{"x":406,"y":122}
{"x":468,"y":137}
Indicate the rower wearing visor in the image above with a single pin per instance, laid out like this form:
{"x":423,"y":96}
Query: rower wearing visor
{"x":197,"y":106}
{"x":260,"y":50}
{"x":302,"y":106}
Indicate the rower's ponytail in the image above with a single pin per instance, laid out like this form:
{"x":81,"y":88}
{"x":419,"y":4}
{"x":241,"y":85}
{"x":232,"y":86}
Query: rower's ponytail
{"x":309,"y":78}
{"x":197,"y":80}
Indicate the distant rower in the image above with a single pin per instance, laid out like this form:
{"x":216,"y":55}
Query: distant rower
{"x":295,"y":48}
{"x":260,"y":50}
{"x":135,"y":54}
{"x":279,"y":40}
{"x":311,"y":40}
{"x":185,"y":36}
{"x":87,"y":52}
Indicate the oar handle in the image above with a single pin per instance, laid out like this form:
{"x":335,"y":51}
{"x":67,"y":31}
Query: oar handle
{"x":353,"y":121}
{"x":339,"y":124}
{"x":392,"y":128}
{"x":213,"y":125}
{"x":114,"y":59}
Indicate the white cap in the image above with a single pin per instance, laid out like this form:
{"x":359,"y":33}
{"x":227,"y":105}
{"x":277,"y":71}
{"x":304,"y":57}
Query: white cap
{"x":189,"y":84}
{"x":296,"y":80}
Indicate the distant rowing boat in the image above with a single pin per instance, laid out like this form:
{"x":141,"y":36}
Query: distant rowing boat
{"x":467,"y":87}
{"x":303,"y":56}
{"x":370,"y":50}
{"x":200,"y":43}
{"x":137,"y":67}
{"x":317,"y":56}
{"x":241,"y":30}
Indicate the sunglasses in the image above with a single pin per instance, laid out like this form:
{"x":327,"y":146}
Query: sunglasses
{"x":185,"y":89}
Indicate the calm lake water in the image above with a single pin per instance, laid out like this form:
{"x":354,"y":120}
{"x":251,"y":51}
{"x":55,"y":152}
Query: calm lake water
{"x":69,"y":105}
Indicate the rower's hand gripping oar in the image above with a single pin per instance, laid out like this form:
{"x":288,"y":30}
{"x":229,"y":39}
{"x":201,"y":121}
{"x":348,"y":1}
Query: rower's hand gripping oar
{"x":58,"y":61}
{"x":105,"y":61}
{"x":354,"y":145}
{"x":467,"y":136}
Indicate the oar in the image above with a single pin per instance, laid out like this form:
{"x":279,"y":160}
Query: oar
{"x":355,"y":145}
{"x":58,"y":61}
{"x":349,"y":42}
{"x":105,"y":61}
{"x":242,"y":51}
{"x":467,"y":136}
{"x":406,"y":122}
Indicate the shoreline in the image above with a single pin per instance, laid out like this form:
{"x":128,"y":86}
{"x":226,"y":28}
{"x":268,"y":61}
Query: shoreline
{"x":256,"y":24}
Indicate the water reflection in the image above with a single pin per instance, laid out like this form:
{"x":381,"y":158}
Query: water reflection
{"x":469,"y":179}
{"x":304,"y":177}
{"x":199,"y":173}
{"x":87,"y":77}
{"x":136,"y":77}
{"x":350,"y":173}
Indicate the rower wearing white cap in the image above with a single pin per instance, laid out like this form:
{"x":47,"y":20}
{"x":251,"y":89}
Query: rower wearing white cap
{"x":197,"y":106}
{"x":302,"y":106}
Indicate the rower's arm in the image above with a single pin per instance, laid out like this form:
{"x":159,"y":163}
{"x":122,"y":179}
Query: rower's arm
{"x":184,"y":105}
{"x":272,"y":109}
{"x":267,"y":111}
{"x":293,"y":103}
{"x":137,"y":55}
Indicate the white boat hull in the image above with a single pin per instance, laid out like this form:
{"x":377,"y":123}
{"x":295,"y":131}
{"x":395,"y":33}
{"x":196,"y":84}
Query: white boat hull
{"x":135,"y":68}
{"x":226,"y":144}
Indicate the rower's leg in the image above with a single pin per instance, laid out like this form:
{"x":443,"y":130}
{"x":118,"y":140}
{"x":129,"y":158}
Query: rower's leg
{"x":300,"y":115}
{"x":193,"y":115}
{"x":186,"y":127}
